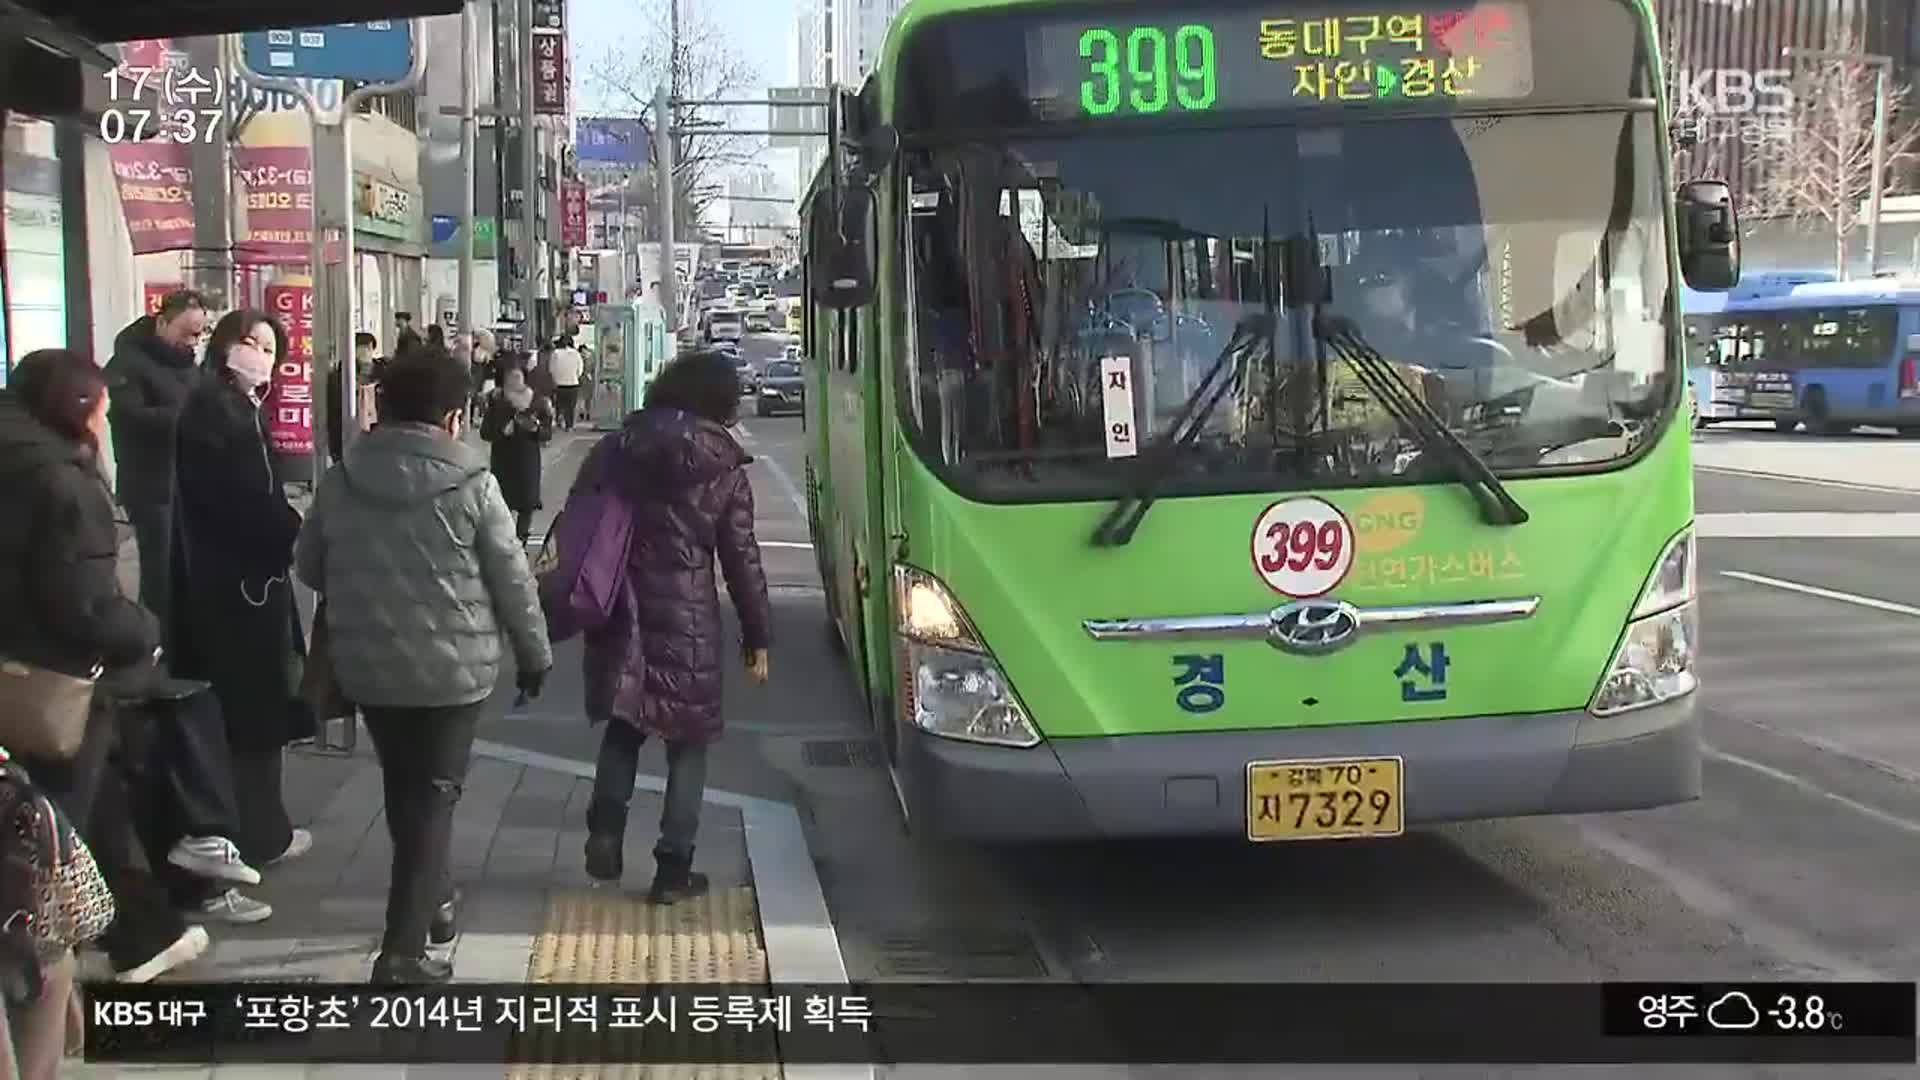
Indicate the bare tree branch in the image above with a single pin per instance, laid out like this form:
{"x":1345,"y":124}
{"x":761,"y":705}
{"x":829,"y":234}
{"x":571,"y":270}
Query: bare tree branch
{"x":707,"y":66}
{"x":1821,"y":178}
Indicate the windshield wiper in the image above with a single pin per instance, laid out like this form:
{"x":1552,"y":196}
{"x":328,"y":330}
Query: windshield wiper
{"x":1497,"y":505}
{"x":1118,"y":527}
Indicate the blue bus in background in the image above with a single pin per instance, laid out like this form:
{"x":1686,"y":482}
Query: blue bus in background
{"x":1723,"y":382}
{"x":1850,"y":352}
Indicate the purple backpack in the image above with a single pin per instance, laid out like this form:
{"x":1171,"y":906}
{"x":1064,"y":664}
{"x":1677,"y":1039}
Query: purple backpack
{"x":582,"y":563}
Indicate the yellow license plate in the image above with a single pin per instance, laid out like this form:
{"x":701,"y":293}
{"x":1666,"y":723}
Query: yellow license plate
{"x":1324,"y":799}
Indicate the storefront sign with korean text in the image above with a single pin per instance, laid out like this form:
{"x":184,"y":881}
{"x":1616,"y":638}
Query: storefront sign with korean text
{"x":290,"y":406}
{"x":550,"y":74}
{"x":277,"y":182}
{"x":156,"y":291}
{"x":156,"y":190}
{"x":573,"y":214}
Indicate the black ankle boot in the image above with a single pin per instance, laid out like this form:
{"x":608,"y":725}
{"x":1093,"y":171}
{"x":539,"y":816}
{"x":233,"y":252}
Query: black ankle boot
{"x":410,"y":970}
{"x":446,"y":919}
{"x":606,"y":839}
{"x":675,"y":879}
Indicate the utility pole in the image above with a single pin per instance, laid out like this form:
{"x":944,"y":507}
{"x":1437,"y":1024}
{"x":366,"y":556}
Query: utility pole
{"x":529,"y":180}
{"x":212,"y":264}
{"x":663,"y":139}
{"x":1882,"y":68}
{"x":469,"y":124}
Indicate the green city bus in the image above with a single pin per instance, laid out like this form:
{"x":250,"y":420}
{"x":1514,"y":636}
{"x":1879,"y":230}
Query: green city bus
{"x":1228,"y":423}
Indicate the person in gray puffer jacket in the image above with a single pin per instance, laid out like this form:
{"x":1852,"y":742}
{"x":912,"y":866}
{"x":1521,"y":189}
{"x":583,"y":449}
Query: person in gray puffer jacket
{"x":414,"y":551}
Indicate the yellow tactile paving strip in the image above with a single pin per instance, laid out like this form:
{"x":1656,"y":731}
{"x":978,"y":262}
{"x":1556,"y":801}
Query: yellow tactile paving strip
{"x":611,"y":936}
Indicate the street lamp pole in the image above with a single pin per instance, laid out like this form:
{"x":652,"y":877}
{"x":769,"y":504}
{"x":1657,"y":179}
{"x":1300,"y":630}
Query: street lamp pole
{"x":1882,"y":69}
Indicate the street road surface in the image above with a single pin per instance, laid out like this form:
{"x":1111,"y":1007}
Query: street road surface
{"x":1798,"y":862}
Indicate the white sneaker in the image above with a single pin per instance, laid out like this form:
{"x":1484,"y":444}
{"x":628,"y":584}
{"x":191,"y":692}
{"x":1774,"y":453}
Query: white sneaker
{"x":234,"y":907}
{"x":213,"y":857}
{"x":185,"y":950}
{"x":300,"y":843}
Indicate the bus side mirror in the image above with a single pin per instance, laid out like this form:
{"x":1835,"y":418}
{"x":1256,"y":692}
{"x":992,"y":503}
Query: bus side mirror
{"x":844,"y":243}
{"x":1709,"y":235}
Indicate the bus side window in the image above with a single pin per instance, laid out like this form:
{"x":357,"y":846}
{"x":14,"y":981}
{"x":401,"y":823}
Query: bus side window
{"x":852,"y":321}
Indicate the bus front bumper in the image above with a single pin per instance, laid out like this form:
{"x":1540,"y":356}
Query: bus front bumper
{"x":1195,"y":784}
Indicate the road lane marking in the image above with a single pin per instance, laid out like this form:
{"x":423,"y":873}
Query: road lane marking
{"x":1808,"y":525}
{"x":785,"y":481}
{"x":1801,"y":783}
{"x":1873,"y":602}
{"x":1850,"y":485}
{"x":1702,"y":895}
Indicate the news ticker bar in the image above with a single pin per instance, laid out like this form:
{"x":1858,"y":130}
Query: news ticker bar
{"x":1003,"y":1023}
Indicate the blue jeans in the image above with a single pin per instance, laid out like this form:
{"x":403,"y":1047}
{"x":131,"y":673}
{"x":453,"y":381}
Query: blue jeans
{"x":613,"y":778}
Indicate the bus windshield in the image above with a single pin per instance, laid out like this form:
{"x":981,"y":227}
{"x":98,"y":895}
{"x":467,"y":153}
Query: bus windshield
{"x":1511,"y":268}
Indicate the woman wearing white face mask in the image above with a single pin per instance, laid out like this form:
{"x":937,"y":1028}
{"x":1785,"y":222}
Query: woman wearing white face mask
{"x":235,"y":537}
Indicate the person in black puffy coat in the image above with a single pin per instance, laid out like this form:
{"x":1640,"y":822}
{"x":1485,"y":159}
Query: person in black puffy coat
{"x":518,"y":423}
{"x":62,"y":608}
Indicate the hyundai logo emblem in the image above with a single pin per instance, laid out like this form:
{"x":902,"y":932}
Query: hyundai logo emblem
{"x":1313,"y":627}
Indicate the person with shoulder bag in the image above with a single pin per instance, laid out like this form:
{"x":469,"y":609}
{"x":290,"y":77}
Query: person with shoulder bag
{"x":53,"y":899}
{"x":65,"y":622}
{"x":656,"y":667}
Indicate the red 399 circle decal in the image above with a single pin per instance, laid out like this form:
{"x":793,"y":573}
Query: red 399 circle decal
{"x":1302,"y":547}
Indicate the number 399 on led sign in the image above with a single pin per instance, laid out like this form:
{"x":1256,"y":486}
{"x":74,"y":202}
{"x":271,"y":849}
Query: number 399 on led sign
{"x":1285,"y":58}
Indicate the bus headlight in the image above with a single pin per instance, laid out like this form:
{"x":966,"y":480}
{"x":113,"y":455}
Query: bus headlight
{"x":950,"y":684}
{"x":1658,"y":655}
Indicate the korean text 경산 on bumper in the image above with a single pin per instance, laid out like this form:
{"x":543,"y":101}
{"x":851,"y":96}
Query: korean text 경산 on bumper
{"x":1636,"y":745}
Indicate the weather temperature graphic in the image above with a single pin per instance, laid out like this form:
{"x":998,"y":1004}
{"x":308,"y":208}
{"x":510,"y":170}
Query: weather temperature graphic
{"x":1855,"y":1010}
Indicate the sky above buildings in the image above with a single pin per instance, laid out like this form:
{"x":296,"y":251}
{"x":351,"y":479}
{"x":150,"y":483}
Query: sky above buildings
{"x":762,"y":29}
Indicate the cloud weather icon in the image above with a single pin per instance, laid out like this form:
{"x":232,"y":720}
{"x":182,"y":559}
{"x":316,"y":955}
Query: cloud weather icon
{"x":1733,"y":1012}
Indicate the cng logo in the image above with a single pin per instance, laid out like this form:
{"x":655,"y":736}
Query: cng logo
{"x":1388,"y":521}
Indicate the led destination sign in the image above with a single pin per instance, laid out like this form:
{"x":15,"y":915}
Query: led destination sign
{"x":1191,"y":62}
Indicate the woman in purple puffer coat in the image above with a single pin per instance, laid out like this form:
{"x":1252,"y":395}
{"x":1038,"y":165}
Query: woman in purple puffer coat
{"x":657,"y":667}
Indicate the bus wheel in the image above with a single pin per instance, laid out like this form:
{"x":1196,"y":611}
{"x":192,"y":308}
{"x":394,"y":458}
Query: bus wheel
{"x":1818,"y":421}
{"x":1785,"y":423}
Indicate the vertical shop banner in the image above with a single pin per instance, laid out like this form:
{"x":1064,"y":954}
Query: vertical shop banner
{"x":156,"y":193}
{"x":550,"y":74}
{"x":290,"y":406}
{"x":156,"y":291}
{"x":573,"y":214}
{"x":273,"y":184}
{"x":278,"y":186}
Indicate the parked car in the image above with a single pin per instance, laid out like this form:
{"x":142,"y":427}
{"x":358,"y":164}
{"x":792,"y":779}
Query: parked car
{"x":782,"y":388}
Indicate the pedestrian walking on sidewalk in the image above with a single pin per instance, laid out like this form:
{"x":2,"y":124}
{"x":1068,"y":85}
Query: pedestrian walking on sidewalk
{"x":568,"y":366}
{"x":413,"y":549}
{"x":151,"y":371}
{"x":518,"y":423}
{"x":657,"y":668}
{"x":236,"y":626}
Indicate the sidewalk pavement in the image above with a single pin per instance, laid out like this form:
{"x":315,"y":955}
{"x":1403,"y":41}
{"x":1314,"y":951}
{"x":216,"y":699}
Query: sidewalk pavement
{"x":1871,"y":462}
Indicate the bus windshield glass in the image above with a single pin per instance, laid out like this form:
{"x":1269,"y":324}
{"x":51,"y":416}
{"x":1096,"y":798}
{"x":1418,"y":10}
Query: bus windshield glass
{"x":1512,"y":269}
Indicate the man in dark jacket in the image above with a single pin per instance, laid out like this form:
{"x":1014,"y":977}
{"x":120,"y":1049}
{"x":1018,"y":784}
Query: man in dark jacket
{"x":148,"y":379}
